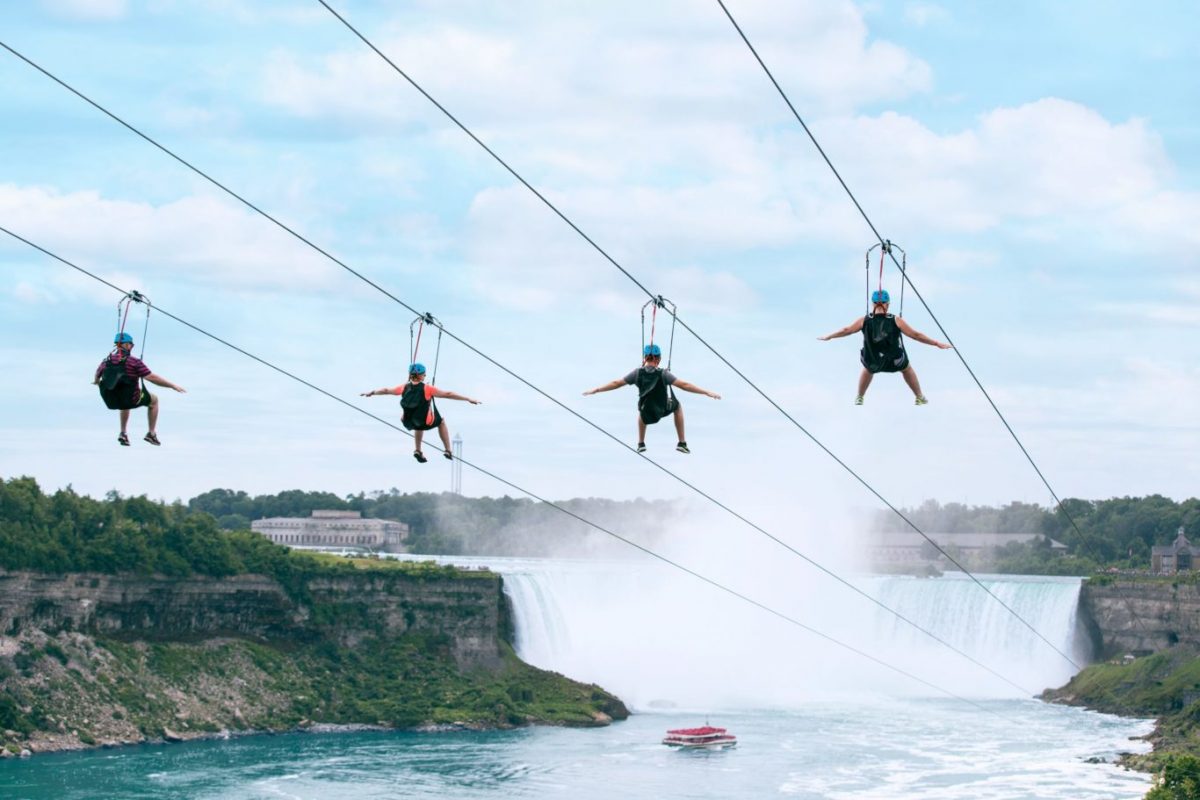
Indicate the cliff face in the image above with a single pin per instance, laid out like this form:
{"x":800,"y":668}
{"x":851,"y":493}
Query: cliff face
{"x":89,"y":659}
{"x":467,"y":610}
{"x":1141,"y":616}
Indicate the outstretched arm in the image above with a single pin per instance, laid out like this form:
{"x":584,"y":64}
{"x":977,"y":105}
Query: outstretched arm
{"x":913,"y":333}
{"x":853,"y":327}
{"x":159,"y":380}
{"x":454,"y":396}
{"x":373,"y":392}
{"x":694,"y":389}
{"x":608,"y":387}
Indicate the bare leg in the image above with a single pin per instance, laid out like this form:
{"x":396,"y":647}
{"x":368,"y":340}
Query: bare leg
{"x":910,"y":377}
{"x":124,"y":419}
{"x":152,"y":413}
{"x":641,"y":429}
{"x":444,"y":432}
{"x":417,"y":437}
{"x":679,"y":423}
{"x":864,"y":380}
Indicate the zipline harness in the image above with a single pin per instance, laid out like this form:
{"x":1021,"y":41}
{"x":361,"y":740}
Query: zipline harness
{"x":886,"y":248}
{"x":419,"y":411}
{"x":123,"y":315}
{"x":656,"y":398}
{"x":657,"y":303}
{"x":118,"y":390}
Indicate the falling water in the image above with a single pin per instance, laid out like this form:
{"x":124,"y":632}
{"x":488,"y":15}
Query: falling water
{"x":660,"y":638}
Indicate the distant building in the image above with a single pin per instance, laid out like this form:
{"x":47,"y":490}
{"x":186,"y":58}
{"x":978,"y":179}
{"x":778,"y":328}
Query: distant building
{"x":335,"y":530}
{"x":1178,"y":556}
{"x":893,"y":549}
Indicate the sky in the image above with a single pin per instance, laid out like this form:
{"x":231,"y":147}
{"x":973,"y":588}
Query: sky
{"x":1039,"y":163}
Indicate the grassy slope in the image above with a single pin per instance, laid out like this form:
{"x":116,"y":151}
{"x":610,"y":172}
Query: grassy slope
{"x":1164,"y":685}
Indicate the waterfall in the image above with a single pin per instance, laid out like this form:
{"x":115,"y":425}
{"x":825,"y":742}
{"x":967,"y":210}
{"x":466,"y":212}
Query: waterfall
{"x":658,"y":637}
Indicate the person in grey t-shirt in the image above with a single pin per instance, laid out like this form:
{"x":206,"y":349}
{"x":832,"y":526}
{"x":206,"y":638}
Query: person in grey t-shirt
{"x":655,"y":396}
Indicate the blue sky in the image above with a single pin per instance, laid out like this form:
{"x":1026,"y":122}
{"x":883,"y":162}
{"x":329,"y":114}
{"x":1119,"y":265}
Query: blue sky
{"x":1038,"y":163}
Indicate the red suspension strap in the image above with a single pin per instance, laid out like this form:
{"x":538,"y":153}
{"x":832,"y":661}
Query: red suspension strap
{"x":417,"y":346}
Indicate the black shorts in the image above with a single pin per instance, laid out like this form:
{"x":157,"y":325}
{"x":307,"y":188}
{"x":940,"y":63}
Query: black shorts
{"x":650,"y":418}
{"x":422,"y":424}
{"x":145,"y":400}
{"x":885,"y":366}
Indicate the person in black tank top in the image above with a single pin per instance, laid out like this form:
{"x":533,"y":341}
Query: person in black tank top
{"x":883,"y":346}
{"x":419,"y":412}
{"x":656,"y":398}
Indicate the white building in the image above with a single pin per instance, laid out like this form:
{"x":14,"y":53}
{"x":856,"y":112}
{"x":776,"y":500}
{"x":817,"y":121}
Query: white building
{"x":335,"y":530}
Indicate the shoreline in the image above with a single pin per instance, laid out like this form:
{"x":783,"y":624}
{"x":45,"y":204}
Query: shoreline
{"x":71,"y":744}
{"x":1161,"y":687}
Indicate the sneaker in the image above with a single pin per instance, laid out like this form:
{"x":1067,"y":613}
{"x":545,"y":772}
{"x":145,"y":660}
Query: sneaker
{"x":921,"y":401}
{"x":152,"y":439}
{"x":641,"y":448}
{"x":123,"y":439}
{"x":682,"y":447}
{"x":858,"y":400}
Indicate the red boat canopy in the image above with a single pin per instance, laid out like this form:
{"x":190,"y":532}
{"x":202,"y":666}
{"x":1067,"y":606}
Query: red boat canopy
{"x":705,"y":731}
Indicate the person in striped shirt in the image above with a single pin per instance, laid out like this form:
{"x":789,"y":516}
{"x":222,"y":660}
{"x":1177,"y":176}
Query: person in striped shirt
{"x":129,"y":392}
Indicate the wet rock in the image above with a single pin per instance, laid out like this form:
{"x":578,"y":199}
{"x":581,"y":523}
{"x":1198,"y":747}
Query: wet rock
{"x":171,"y":736}
{"x":26,"y":752}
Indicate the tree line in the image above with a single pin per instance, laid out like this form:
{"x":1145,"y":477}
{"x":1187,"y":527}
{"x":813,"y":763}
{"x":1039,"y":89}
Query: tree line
{"x":1117,"y":532}
{"x":209,"y":535}
{"x":450,"y":524}
{"x":68,"y":532}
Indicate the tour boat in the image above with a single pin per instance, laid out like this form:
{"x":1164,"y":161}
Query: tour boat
{"x":707,"y":737}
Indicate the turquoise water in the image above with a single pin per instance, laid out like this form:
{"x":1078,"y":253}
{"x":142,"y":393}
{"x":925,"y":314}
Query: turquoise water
{"x":911,"y":749}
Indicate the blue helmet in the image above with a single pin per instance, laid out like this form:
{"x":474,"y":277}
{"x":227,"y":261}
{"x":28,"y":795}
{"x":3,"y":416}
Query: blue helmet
{"x":651,"y":350}
{"x":122,"y":338}
{"x":416,"y":369}
{"x":881,"y":296}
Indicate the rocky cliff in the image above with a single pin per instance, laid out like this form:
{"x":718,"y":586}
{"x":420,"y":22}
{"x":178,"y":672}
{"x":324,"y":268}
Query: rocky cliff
{"x":466,"y":607}
{"x":1140,"y":614}
{"x":89,"y":658}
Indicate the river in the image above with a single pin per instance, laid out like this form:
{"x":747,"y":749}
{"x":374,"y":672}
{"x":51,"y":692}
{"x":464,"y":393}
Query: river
{"x":813,"y":721}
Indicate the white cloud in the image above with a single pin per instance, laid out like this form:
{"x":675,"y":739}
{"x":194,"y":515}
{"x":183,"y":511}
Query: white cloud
{"x":1051,"y":169}
{"x":198,"y":238}
{"x":1183,"y":314}
{"x":87,"y":9}
{"x":925,"y":14}
{"x":667,"y":140}
{"x":665,"y":59}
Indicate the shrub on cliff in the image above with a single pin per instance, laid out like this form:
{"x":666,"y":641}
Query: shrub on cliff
{"x":1179,"y":780}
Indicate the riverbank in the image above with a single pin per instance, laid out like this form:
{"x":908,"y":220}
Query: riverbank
{"x":70,"y":691}
{"x":92,"y":660}
{"x":1164,"y":685}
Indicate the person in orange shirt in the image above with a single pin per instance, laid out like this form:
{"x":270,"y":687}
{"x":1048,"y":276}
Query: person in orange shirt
{"x":420,"y":412}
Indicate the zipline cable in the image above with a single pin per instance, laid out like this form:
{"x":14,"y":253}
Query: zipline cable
{"x":570,"y":410}
{"x":710,"y":581}
{"x":689,"y":329}
{"x":905,"y":279}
